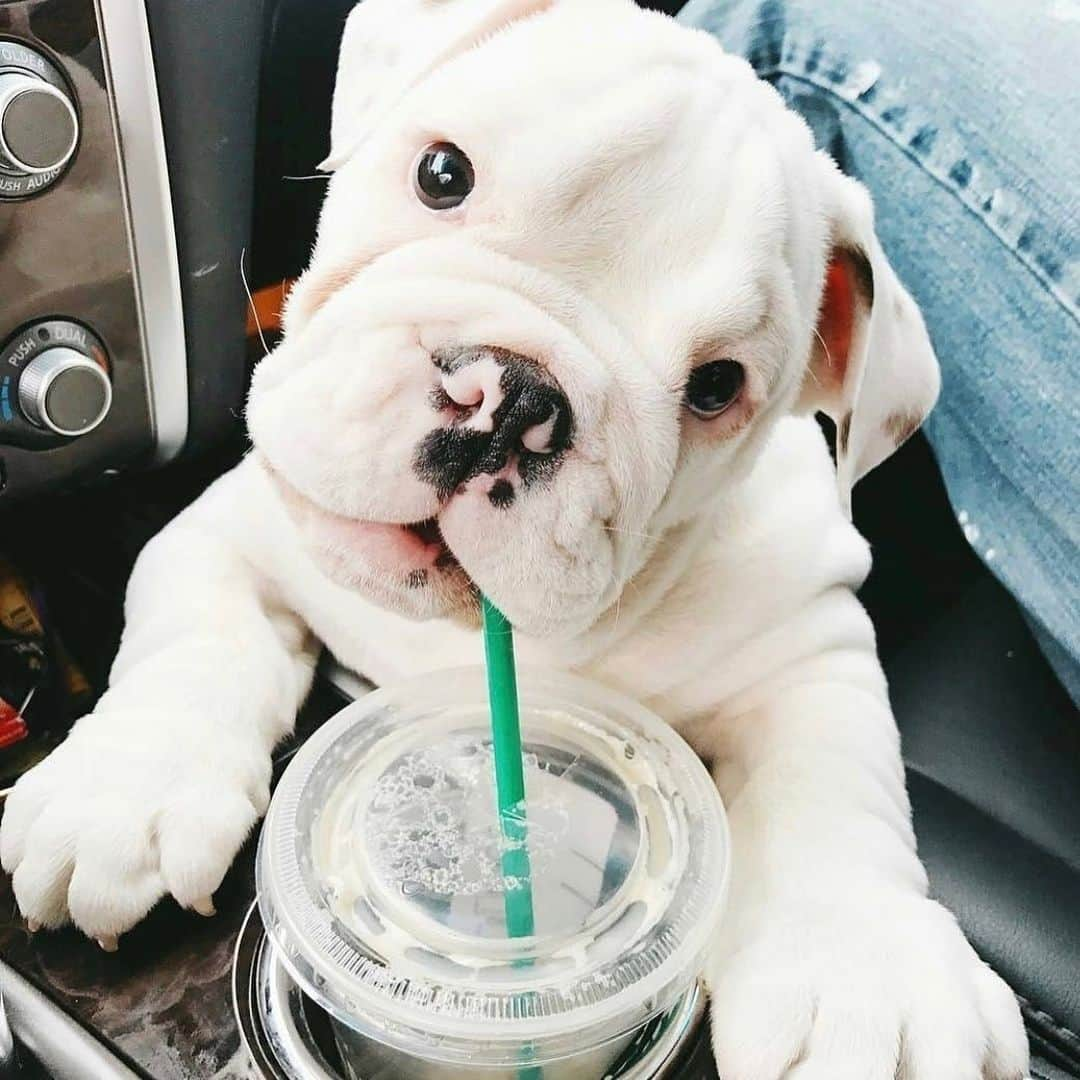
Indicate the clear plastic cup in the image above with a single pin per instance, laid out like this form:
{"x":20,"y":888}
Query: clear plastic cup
{"x":381,"y":881}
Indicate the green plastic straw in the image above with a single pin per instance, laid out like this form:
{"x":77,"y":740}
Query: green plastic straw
{"x":509,"y":781}
{"x":509,"y":769}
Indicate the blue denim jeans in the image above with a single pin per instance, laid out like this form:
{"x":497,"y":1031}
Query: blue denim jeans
{"x":963,"y":119}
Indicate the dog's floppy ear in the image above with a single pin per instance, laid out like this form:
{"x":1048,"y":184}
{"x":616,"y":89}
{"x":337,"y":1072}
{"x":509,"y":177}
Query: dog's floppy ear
{"x":873,"y":369}
{"x":391,"y":45}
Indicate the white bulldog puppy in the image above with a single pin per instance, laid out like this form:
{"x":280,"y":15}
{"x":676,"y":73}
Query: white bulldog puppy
{"x":580,"y":283}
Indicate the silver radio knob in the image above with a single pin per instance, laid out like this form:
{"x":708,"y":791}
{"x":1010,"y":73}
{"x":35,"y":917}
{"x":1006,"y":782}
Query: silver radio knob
{"x":62,"y":390}
{"x":39,"y":128}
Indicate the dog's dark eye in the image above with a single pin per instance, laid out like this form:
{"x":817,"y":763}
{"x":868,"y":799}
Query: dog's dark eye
{"x":712,"y":387}
{"x":444,"y":176}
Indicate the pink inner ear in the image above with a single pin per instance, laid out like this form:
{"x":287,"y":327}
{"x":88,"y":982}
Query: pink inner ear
{"x":836,"y":322}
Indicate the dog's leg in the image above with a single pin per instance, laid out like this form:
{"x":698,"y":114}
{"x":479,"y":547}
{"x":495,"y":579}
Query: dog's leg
{"x":834,"y":964}
{"x":155,"y":791}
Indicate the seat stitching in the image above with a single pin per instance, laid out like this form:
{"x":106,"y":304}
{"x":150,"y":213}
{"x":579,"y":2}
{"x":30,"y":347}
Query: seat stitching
{"x":1068,"y":1036}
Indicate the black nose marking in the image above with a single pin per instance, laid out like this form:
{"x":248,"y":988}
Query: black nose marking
{"x":502,"y":494}
{"x":531,"y":425}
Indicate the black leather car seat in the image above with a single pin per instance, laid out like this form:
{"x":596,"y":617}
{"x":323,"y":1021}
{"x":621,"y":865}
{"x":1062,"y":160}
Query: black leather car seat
{"x":992,"y":746}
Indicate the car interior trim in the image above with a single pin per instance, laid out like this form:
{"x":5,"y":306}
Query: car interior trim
{"x":151,"y":230}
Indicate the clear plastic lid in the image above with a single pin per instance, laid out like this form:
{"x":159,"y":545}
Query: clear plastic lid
{"x":382,"y":879}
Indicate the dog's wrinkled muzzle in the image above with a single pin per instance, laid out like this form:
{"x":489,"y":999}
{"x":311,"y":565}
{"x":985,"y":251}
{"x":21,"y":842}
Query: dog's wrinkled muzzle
{"x":443,"y":423}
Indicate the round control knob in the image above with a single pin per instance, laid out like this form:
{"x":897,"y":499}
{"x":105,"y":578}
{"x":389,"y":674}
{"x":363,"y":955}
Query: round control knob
{"x":38,"y":124}
{"x":60,"y":389}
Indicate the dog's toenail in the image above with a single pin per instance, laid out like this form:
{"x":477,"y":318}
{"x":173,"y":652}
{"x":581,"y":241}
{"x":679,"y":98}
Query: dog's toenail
{"x":33,"y":925}
{"x":204,"y":906}
{"x":108,"y":943}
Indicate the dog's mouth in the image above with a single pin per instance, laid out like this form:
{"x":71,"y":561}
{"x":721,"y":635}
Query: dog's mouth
{"x":430,"y":535}
{"x":413,"y":554}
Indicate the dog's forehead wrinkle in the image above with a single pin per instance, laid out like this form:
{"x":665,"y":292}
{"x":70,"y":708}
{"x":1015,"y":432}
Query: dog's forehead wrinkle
{"x":515,"y":93}
{"x":637,"y":130}
{"x":631,"y":38}
{"x":642,"y":74}
{"x":715,"y":245}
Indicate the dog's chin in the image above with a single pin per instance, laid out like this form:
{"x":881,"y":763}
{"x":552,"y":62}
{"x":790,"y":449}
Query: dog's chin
{"x":405,"y":568}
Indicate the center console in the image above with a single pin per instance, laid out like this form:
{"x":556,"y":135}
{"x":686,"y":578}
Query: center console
{"x":126,"y":160}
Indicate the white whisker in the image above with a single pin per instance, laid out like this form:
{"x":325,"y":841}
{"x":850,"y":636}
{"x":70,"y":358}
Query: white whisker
{"x":251,"y":301}
{"x":828,"y":356}
{"x":629,"y":532}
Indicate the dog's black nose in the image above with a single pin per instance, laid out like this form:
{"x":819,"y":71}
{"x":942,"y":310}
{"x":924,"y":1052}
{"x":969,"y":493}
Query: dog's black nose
{"x":502,"y":407}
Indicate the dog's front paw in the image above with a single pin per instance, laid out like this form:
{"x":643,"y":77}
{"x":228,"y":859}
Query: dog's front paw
{"x":121,"y":814}
{"x":882,"y":989}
